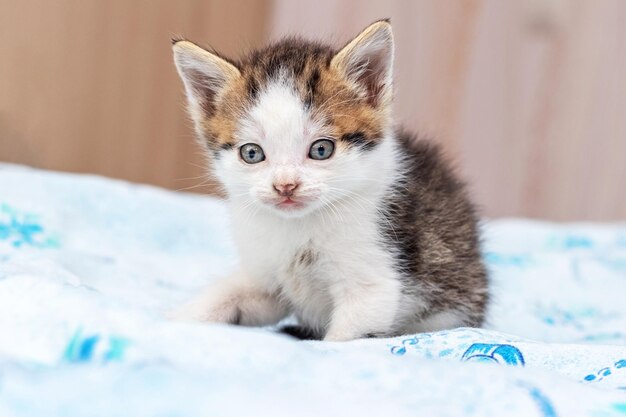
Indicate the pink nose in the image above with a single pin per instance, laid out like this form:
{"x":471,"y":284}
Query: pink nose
{"x":286,"y":190}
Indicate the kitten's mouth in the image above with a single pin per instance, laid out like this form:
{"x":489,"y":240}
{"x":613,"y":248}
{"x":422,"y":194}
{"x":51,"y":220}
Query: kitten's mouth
{"x":289,"y":204}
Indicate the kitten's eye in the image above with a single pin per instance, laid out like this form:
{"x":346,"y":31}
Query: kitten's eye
{"x":251,"y":153}
{"x":322,"y":149}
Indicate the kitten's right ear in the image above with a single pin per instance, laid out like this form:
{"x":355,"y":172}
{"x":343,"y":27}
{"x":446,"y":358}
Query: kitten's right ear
{"x":367,"y":62}
{"x":204,"y":74}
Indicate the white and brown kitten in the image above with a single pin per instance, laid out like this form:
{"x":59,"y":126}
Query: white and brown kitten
{"x":356,"y":228}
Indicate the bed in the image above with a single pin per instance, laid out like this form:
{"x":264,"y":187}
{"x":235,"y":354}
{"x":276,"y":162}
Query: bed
{"x":90,"y":265}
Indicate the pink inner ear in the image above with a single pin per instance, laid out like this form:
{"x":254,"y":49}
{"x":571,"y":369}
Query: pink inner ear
{"x":368,"y":61}
{"x":204,"y":90}
{"x":373,"y":73}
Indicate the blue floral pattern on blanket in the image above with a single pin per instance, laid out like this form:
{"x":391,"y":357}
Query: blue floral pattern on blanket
{"x":83,"y":327}
{"x":85,"y":348}
{"x":21,"y":229}
{"x":494,"y":353}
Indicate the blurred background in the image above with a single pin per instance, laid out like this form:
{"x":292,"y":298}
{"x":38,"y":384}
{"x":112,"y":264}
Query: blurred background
{"x":528,"y":96}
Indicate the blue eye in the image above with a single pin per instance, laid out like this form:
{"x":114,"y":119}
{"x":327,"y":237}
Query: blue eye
{"x":251,"y":153}
{"x":322,"y":149}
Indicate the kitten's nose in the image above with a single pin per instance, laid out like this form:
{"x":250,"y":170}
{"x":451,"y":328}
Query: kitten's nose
{"x":286,"y":190}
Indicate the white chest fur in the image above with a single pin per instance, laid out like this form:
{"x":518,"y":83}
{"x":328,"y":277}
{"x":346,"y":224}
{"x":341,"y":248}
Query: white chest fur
{"x":314,"y":262}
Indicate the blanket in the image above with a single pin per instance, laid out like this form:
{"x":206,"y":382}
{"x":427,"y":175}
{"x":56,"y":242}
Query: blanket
{"x":89,"y":266}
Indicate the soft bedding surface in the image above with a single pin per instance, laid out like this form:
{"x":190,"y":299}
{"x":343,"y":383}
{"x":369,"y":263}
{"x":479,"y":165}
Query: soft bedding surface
{"x":88,"y":266}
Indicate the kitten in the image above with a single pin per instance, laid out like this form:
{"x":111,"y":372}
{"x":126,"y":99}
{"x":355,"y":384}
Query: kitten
{"x":356,"y":228}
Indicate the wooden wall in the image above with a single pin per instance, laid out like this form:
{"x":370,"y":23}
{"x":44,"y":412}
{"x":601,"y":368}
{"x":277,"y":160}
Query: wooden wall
{"x":89,"y":85}
{"x":529,"y":96}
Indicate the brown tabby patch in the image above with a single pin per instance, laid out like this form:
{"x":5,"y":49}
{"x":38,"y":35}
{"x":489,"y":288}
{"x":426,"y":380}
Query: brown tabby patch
{"x":350,"y":119}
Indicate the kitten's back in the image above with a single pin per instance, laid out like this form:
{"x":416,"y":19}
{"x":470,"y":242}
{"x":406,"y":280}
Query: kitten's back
{"x":432,"y":226}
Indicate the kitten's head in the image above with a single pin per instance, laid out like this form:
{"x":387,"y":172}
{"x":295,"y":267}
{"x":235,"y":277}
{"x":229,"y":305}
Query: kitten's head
{"x":297,"y":125}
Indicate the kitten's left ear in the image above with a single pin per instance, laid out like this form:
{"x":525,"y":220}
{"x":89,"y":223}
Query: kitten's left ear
{"x":367,"y":62}
{"x":205,"y":75}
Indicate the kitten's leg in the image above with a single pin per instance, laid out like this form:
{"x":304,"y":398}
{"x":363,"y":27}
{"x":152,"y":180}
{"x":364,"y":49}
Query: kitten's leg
{"x":365,"y":308}
{"x":237,"y":299}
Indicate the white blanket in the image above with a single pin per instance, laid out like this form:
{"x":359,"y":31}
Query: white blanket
{"x":89,"y":265}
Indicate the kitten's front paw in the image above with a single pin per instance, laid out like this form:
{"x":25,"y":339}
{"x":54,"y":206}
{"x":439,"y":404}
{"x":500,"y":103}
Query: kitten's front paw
{"x":198,"y":311}
{"x":236,"y":300}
